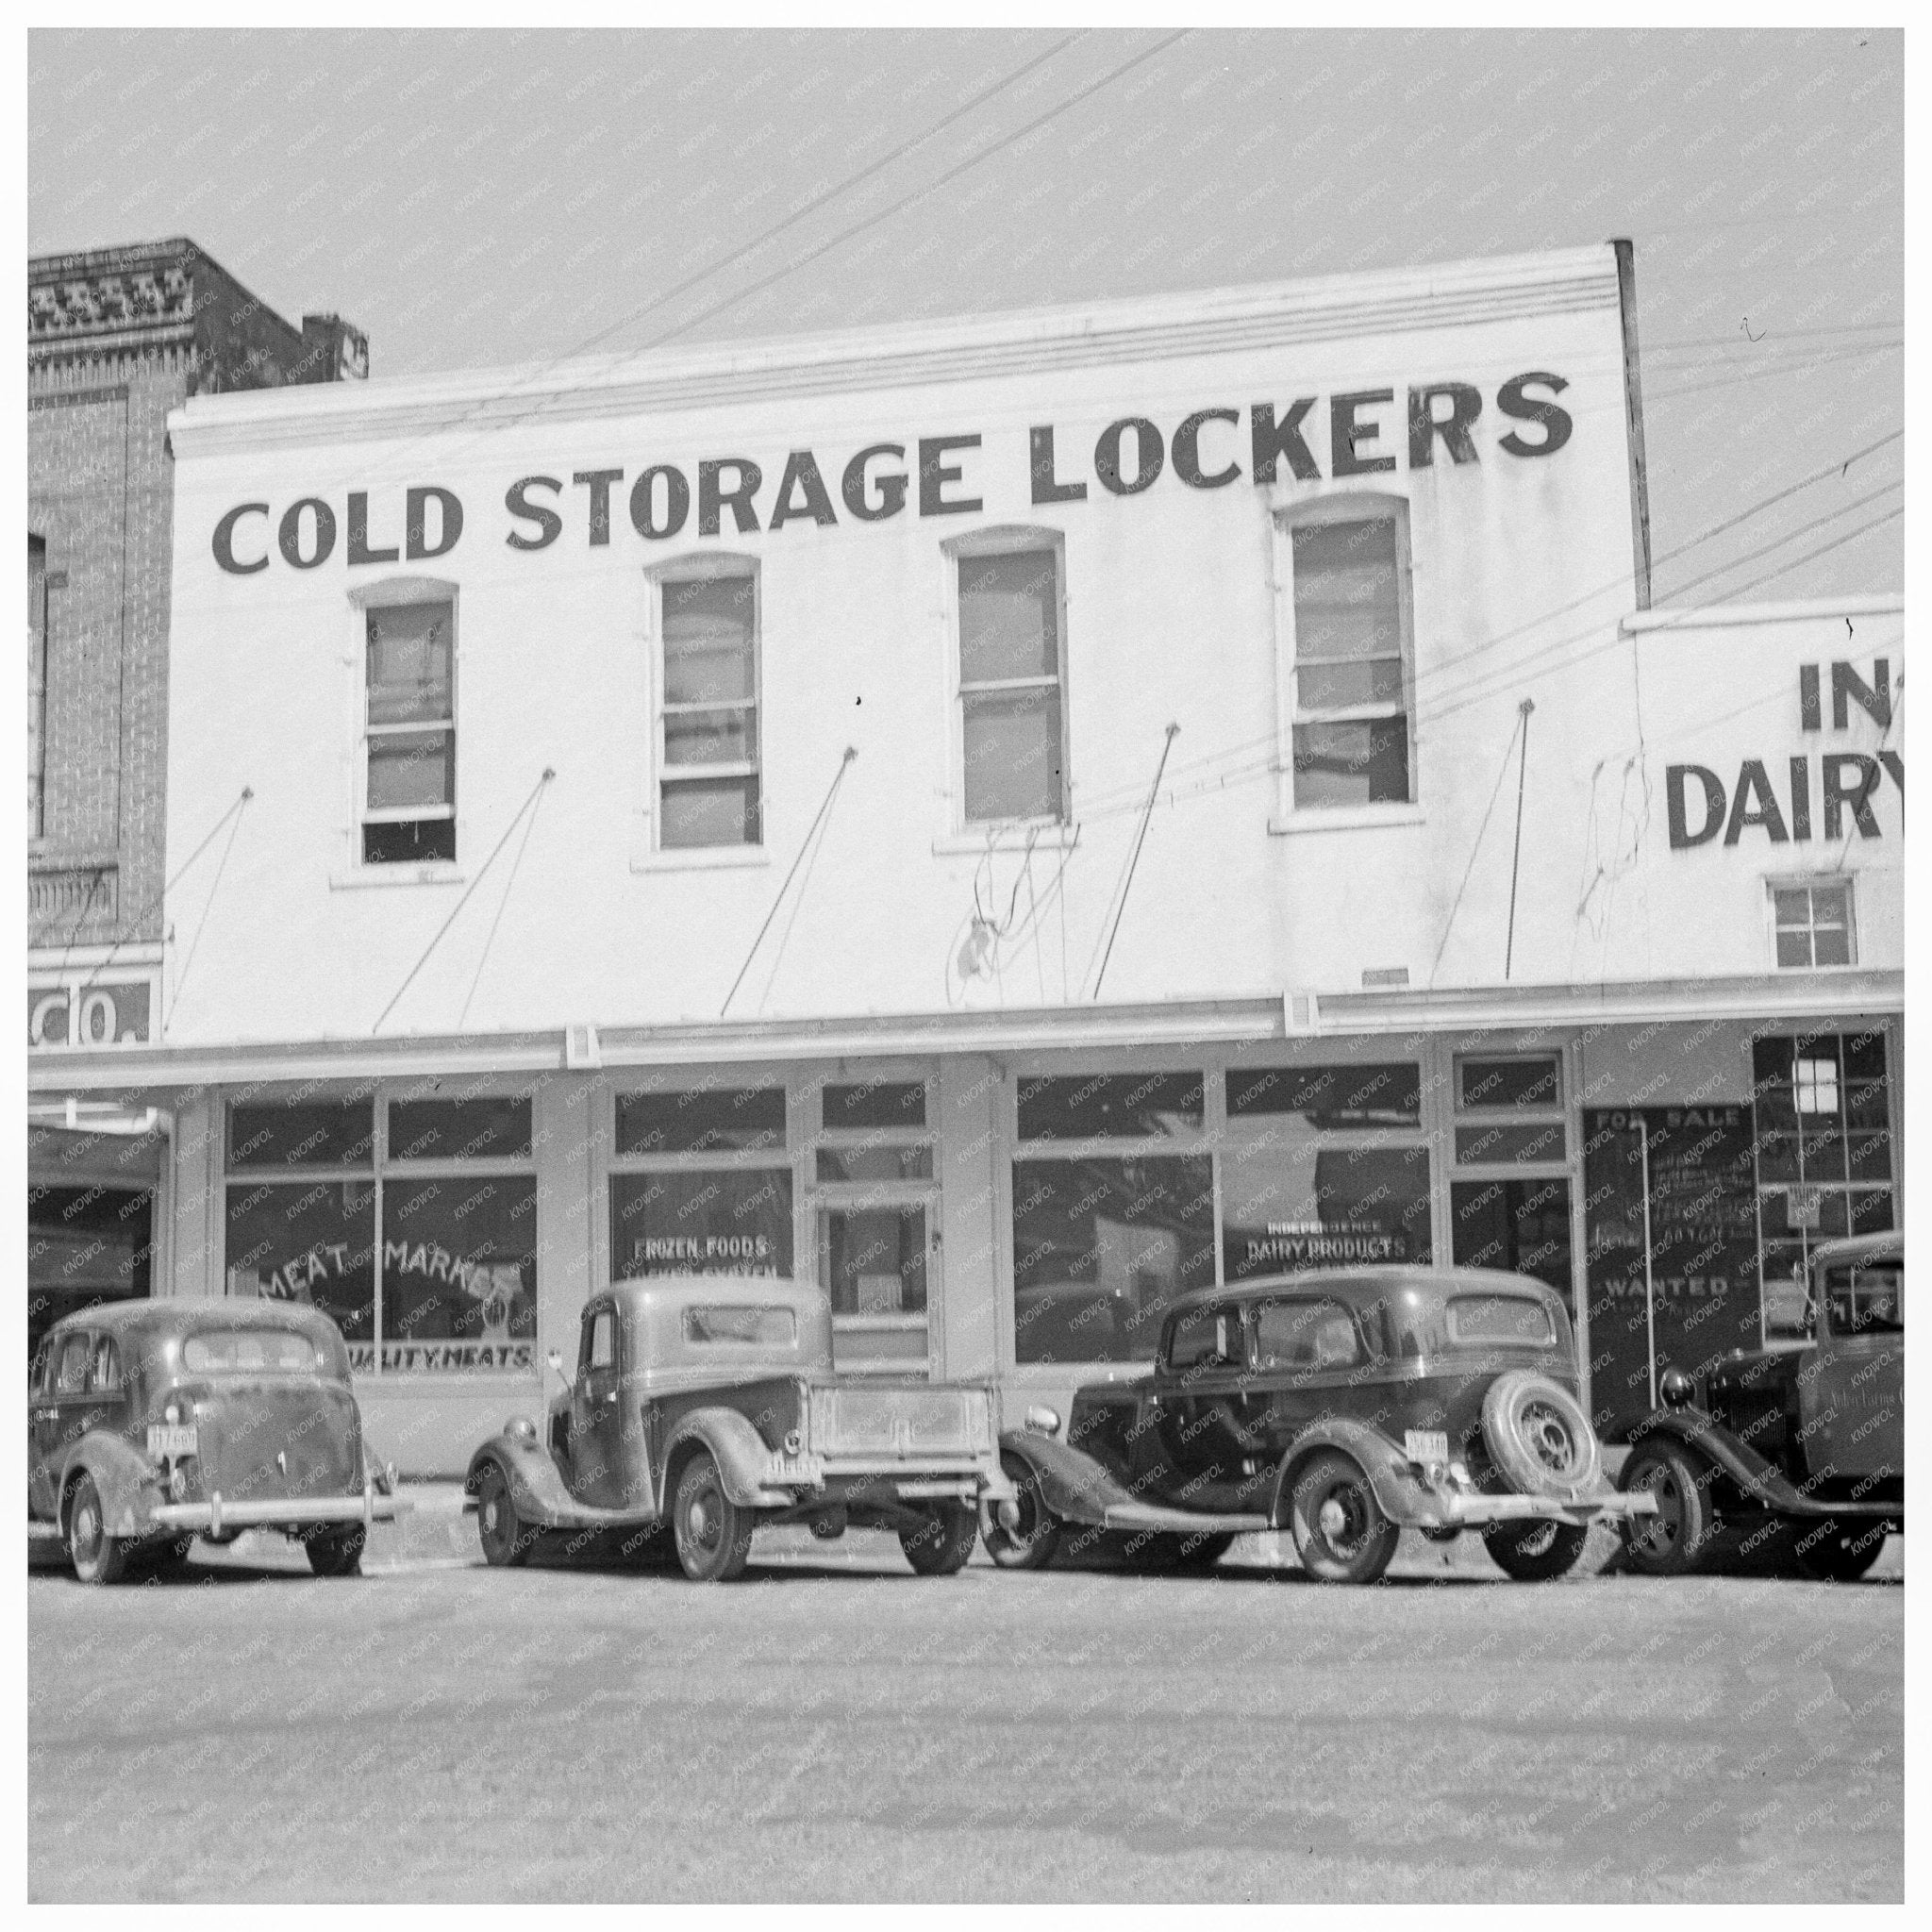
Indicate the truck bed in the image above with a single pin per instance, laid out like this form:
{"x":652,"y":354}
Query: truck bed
{"x":915,"y":1422}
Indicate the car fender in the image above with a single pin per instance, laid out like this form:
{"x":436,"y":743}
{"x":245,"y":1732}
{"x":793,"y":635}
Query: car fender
{"x":1761,"y":1482}
{"x":1402,"y":1495}
{"x":1072,"y":1483}
{"x":123,"y":1476}
{"x":742,"y":1455}
{"x":537,"y":1487}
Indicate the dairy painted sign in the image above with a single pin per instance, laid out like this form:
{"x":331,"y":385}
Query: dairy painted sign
{"x":1362,"y":432}
{"x":1813,"y":793}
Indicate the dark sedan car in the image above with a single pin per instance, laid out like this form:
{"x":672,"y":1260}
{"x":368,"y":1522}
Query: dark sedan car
{"x":149,"y":1422}
{"x":1339,"y":1405}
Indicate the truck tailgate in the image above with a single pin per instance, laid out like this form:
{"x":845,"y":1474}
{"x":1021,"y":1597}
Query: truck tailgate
{"x":911,"y":1422}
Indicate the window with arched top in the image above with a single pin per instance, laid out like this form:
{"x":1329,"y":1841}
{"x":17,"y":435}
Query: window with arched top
{"x":1348,"y":651}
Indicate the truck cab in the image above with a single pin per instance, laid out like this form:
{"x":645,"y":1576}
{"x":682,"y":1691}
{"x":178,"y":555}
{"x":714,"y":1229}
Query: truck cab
{"x":704,"y":1406}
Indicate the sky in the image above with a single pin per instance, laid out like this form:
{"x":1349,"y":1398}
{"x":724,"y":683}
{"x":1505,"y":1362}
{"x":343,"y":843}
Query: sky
{"x":484,"y":198}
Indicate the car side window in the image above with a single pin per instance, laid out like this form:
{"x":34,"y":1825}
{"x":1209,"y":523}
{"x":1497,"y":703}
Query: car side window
{"x":104,"y":1372}
{"x":1308,"y":1334}
{"x":1209,"y":1339}
{"x":1867,"y":1300}
{"x":75,"y":1353}
{"x":600,"y":1340}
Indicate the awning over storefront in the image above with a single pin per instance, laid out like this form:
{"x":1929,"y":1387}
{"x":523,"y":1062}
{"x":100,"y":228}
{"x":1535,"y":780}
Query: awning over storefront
{"x":132,"y":1072}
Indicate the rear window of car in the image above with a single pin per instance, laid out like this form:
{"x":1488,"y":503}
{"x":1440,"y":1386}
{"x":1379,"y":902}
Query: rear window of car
{"x":753,"y":1327}
{"x":250,"y":1352}
{"x":1492,"y":1318}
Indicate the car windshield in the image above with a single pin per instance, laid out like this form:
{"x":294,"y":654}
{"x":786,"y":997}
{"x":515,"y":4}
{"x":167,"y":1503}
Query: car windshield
{"x":754,"y":1328}
{"x":251,"y":1351}
{"x":1868,"y":1298}
{"x":1480,"y":1318}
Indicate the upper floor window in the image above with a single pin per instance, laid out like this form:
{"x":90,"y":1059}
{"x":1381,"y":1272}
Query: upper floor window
{"x":709,"y":785}
{"x":1012,"y":681}
{"x":1812,"y":923}
{"x":410,"y":734}
{"x":1350,"y":651}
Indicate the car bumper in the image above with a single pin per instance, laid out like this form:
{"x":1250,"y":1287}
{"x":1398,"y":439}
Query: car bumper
{"x":1470,"y":1509}
{"x":217,"y":1515}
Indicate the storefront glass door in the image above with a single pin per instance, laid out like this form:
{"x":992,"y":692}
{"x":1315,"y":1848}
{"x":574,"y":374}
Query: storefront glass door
{"x":875,"y":1263}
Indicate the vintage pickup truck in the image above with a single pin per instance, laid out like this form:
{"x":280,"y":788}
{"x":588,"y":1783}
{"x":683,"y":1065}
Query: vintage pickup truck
{"x":705,"y":1406}
{"x":1806,"y":1435}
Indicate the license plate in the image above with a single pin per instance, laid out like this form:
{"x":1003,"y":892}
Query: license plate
{"x":1425,"y":1445}
{"x":168,"y":1440}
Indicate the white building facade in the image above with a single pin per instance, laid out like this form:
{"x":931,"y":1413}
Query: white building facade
{"x":696,"y":813}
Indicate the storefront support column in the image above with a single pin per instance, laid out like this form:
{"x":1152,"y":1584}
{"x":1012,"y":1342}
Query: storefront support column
{"x":969,"y":1249}
{"x":564,"y":1122}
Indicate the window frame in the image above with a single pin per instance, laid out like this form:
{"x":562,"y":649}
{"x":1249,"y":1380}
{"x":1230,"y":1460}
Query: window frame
{"x":1811,"y":883}
{"x":396,"y":594}
{"x":702,"y":566}
{"x":383,"y":1171}
{"x":1340,"y":506}
{"x":1004,"y":539}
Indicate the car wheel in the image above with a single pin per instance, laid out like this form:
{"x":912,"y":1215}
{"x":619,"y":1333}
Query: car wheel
{"x":1031,"y":1543}
{"x":96,"y":1557}
{"x":1535,"y":1551}
{"x":1830,"y":1552}
{"x":943,"y":1540}
{"x":505,"y":1542}
{"x":1538,"y":1436}
{"x":1339,"y":1531}
{"x":713,"y":1533}
{"x":1668,"y":1544}
{"x":336,"y":1552}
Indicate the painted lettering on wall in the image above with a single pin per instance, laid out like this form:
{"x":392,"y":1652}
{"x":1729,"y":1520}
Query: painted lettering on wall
{"x":1778,"y":796}
{"x":1369,"y":432}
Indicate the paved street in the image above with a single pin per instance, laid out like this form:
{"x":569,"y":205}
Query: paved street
{"x":834,"y":1728}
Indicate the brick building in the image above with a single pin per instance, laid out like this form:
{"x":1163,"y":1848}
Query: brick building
{"x":116,"y":338}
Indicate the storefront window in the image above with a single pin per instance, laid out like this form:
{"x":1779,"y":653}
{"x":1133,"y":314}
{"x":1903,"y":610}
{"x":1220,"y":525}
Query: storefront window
{"x":460,"y":1273}
{"x":1087,"y":1107}
{"x":701,"y":1221}
{"x":411,"y":1223}
{"x":701,"y":1119}
{"x":1102,"y":1248}
{"x":312,"y":1242}
{"x":1824,"y":1155}
{"x":1324,"y":1166}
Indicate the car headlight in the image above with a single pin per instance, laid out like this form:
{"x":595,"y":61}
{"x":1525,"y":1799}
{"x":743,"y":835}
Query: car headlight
{"x":1044,"y":1421}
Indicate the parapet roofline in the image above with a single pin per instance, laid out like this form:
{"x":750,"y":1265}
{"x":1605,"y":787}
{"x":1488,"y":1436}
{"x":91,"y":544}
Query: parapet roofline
{"x":953,"y":348}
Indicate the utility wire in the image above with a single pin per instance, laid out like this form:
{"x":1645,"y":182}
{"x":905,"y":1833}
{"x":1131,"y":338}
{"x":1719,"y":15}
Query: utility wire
{"x":536,"y":790}
{"x":919,"y":194}
{"x":168,"y":886}
{"x":201,"y":925}
{"x":1455,"y":904}
{"x":508,"y":885}
{"x":826,"y":805}
{"x":1139,"y":838}
{"x":1522,"y":711}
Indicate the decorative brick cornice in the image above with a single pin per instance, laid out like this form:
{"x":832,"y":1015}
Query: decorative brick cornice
{"x":134,"y":294}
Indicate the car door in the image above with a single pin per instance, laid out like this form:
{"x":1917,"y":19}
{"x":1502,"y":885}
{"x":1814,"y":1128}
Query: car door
{"x":1308,"y":1349}
{"x":43,"y":1434}
{"x":1197,"y":1403}
{"x":1851,"y":1396}
{"x":60,"y":1415}
{"x":598,"y":1450}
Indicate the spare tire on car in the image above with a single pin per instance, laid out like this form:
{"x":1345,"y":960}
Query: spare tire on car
{"x":1538,"y":1436}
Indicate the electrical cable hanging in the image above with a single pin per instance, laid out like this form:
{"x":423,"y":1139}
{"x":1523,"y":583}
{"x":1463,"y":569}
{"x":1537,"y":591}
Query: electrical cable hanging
{"x":536,"y":790}
{"x":168,"y":886}
{"x":832,"y":791}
